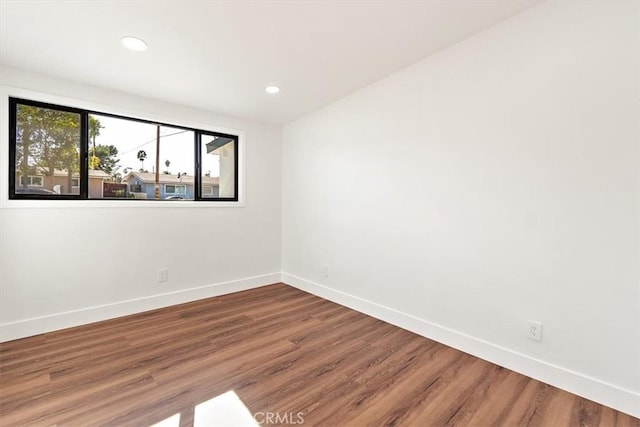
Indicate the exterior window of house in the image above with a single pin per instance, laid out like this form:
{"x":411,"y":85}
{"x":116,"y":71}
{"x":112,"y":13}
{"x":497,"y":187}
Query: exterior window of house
{"x":46,"y":148}
{"x":73,"y":153}
{"x":175,"y":189}
{"x":32,"y":181}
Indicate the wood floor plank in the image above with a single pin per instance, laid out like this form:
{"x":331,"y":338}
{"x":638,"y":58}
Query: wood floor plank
{"x":497,"y":404}
{"x":281,"y":350}
{"x":395,"y":374}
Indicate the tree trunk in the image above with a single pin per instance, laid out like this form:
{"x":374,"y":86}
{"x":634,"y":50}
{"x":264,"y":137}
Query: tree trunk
{"x":25,"y":156}
{"x":69,"y":180}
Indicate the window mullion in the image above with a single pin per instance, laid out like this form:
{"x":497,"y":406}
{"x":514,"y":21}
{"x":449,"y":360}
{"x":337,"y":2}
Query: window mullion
{"x":197,"y":179}
{"x":84,"y":155}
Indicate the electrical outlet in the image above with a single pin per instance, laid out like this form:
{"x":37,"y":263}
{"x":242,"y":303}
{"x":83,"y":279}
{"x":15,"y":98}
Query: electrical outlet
{"x":535,"y":330}
{"x":163,"y":275}
{"x":325,"y":271}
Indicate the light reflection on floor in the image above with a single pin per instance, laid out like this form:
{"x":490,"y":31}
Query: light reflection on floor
{"x":225,"y":410}
{"x":172,"y":421}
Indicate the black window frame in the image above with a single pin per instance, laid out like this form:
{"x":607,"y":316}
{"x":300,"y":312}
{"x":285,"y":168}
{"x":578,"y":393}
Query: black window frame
{"x":84,"y":154}
{"x":84,"y":131}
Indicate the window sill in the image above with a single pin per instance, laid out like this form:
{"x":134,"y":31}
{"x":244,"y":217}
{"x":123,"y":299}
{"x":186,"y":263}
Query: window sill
{"x":75,"y":204}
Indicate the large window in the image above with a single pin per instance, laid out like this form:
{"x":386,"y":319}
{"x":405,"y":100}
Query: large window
{"x":59,"y":152}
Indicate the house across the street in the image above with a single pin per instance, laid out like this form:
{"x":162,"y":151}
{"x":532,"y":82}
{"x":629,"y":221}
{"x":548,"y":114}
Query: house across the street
{"x":59,"y":182}
{"x":142,"y":185}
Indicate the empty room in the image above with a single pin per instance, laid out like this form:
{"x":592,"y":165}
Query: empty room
{"x":320,"y":212}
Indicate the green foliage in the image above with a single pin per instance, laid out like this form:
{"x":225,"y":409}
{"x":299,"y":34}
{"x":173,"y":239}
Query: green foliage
{"x":94,"y":162}
{"x":94,"y":128}
{"x":47,"y":140}
{"x":107,"y":156}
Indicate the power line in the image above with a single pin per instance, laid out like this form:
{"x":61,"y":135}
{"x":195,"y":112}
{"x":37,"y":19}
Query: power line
{"x":152,"y":140}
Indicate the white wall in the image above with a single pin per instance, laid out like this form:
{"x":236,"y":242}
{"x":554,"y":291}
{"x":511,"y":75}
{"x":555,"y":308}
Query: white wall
{"x":493,"y":183}
{"x":74,"y":262}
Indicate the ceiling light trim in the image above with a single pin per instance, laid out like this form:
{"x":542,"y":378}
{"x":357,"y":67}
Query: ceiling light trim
{"x":272,"y":89}
{"x":133,"y":43}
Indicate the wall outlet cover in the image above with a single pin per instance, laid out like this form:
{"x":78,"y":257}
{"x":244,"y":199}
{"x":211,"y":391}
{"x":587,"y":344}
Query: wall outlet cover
{"x":535,"y":330}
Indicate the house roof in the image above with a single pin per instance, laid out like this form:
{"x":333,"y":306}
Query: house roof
{"x":217,"y":143}
{"x":97,"y":173}
{"x":150,"y":178}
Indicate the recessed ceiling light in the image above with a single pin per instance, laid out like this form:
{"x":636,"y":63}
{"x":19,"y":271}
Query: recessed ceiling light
{"x":272,"y":89}
{"x":134,"y":43}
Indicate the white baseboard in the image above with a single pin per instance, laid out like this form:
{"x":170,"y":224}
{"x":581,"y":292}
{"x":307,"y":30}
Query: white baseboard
{"x":29,"y":327}
{"x":583,"y":385}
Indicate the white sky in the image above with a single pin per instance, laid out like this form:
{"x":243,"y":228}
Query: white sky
{"x":131,"y":136}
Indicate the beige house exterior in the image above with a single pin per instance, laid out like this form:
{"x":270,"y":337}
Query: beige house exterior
{"x":59,"y":182}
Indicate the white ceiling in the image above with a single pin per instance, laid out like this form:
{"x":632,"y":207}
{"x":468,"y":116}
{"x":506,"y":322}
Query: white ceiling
{"x":219,"y":55}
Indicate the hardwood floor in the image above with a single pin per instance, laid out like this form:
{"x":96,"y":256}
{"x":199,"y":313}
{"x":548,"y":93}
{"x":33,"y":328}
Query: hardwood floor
{"x":283,"y":352}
